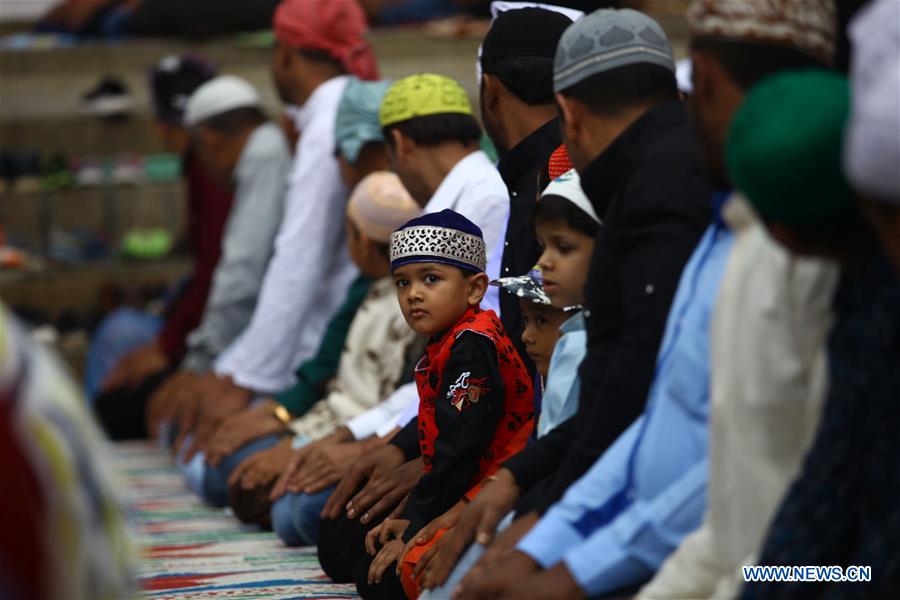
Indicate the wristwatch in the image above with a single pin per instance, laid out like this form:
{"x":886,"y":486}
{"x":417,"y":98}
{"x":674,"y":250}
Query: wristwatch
{"x":282,"y":414}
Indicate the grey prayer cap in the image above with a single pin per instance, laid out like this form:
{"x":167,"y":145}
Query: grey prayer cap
{"x":607,"y":39}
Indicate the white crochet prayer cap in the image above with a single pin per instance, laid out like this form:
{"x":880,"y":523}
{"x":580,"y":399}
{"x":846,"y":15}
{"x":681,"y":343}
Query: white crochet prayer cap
{"x":217,"y":96}
{"x":568,"y":186}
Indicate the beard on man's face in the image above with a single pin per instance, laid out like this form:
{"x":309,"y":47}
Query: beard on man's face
{"x":489,"y":127}
{"x":710,"y":149}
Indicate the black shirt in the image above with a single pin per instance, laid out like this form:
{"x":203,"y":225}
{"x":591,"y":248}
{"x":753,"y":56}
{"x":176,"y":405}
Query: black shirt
{"x":463,"y":435}
{"x":651,"y":192}
{"x":520,"y":169}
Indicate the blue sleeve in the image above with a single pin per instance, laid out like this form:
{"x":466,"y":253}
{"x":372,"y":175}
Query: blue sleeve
{"x":631,"y":547}
{"x":556,"y":532}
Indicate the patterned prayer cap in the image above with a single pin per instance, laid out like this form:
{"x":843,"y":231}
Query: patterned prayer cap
{"x":784,"y":147}
{"x":807,"y":25}
{"x":444,"y":237}
{"x":380,"y":204}
{"x":356,"y":123}
{"x":172,"y":81}
{"x":526,"y":287}
{"x":608,"y":39}
{"x":423,"y":95}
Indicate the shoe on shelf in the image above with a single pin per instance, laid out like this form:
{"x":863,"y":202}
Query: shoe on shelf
{"x":7,"y":172}
{"x":56,"y":174}
{"x":162,"y":168}
{"x":147,"y":244}
{"x":109,"y":98}
{"x":27,"y":172}
{"x":128,"y":170}
{"x":89,"y":172}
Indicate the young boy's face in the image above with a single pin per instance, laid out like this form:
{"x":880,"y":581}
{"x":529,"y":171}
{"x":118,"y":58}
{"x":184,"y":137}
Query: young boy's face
{"x":541,"y":331}
{"x":433,"y":296}
{"x":564,"y":262}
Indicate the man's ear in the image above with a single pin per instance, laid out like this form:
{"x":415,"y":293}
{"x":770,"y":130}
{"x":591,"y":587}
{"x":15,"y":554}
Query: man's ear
{"x":571,"y":118}
{"x":703,"y":76}
{"x":402,"y":145}
{"x":203,"y":137}
{"x":478,"y":285}
{"x":489,"y":91}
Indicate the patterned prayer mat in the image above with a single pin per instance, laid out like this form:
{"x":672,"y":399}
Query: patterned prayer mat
{"x":191,"y":550}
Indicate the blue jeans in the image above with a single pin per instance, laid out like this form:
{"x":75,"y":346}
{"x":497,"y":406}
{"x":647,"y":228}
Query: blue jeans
{"x":295,"y":517}
{"x":119,"y":333}
{"x":211,"y":483}
{"x":215,"y":479}
{"x":193,"y":469}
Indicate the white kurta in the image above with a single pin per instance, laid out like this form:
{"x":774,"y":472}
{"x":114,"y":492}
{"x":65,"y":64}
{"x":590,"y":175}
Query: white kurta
{"x":310,"y":272}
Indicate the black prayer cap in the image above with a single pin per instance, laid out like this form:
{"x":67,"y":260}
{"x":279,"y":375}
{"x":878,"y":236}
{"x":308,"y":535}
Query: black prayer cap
{"x":533,"y":32}
{"x":172,"y":81}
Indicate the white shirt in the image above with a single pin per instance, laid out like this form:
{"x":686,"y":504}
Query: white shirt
{"x":310,"y":271}
{"x":382,"y":418}
{"x":474,"y":189}
{"x":768,"y":381}
{"x":247,"y":244}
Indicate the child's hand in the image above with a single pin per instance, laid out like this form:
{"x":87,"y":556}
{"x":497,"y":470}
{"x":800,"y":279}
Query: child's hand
{"x":447,"y":520}
{"x":372,"y":539}
{"x":390,"y":552}
{"x":392,"y":529}
{"x":389,"y":535}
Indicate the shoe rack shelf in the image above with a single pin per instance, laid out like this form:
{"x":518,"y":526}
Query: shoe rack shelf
{"x":47,"y":223}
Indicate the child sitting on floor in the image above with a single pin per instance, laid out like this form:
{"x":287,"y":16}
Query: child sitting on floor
{"x":476,"y":397}
{"x":566,"y":226}
{"x":541,"y":322}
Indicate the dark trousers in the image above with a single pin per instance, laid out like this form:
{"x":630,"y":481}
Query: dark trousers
{"x":342,"y":553}
{"x":122,"y":411}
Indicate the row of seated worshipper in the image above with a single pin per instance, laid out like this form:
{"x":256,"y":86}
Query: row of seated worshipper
{"x":685,"y":366}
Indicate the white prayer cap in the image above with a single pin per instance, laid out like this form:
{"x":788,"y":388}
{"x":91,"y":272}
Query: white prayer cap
{"x":217,"y":96}
{"x":568,"y":186}
{"x":872,"y":140}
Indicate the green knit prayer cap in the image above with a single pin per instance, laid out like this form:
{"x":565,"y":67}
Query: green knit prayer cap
{"x":783,"y":148}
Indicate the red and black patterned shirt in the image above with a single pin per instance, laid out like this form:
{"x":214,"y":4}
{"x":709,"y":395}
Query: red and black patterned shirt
{"x":475,"y":411}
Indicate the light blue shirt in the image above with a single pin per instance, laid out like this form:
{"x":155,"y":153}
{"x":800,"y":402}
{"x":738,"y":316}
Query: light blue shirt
{"x":560,"y":399}
{"x":616,"y":525}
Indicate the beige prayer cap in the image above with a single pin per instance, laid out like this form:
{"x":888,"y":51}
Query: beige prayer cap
{"x":380,"y":204}
{"x":807,"y":25}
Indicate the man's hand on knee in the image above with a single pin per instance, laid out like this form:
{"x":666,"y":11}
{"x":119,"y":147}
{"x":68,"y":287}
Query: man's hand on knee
{"x":383,"y":459}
